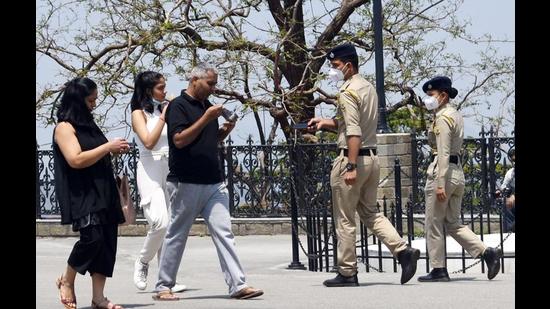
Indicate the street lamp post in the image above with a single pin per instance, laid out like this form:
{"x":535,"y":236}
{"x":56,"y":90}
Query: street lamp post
{"x":382,"y":126}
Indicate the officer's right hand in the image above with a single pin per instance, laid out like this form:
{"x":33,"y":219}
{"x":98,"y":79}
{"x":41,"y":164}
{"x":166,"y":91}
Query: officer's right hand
{"x":314,"y":124}
{"x":441,"y":195}
{"x":213,"y":112}
{"x":350,"y":177}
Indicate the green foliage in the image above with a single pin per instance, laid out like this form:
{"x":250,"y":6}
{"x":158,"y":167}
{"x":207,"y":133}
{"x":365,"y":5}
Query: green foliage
{"x":402,"y":120}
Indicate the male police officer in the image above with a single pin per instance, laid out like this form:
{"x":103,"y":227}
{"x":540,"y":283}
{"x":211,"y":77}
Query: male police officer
{"x":356,"y":172}
{"x":445,"y":185}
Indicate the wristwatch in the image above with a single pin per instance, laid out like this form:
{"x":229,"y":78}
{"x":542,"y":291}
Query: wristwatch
{"x":351,"y":166}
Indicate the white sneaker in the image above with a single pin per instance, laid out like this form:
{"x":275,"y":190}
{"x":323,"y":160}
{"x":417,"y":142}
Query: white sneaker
{"x":140,"y":274}
{"x":178,"y":288}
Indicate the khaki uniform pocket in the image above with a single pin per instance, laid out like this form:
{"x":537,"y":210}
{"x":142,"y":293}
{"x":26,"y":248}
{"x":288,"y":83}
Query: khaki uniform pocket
{"x":456,"y":175}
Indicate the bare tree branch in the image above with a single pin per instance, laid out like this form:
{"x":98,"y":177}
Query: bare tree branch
{"x":346,"y":9}
{"x":476,"y":86}
{"x":333,"y":28}
{"x":278,"y":13}
{"x":229,"y":45}
{"x":410,"y":97}
{"x":97,"y":57}
{"x":242,"y":99}
{"x":56,"y":59}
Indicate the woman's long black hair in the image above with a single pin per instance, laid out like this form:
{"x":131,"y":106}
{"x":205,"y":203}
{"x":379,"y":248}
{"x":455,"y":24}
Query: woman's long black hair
{"x":73,"y":108}
{"x":143,"y":90}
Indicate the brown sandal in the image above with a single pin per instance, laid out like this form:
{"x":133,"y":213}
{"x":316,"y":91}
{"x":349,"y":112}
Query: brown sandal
{"x":165,"y":295}
{"x":248,"y":292}
{"x":69,"y":303}
{"x":105,"y":304}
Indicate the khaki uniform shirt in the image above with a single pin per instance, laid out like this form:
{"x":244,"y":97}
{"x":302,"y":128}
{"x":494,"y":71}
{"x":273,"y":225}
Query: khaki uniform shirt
{"x":357,"y":113}
{"x":446,"y":135}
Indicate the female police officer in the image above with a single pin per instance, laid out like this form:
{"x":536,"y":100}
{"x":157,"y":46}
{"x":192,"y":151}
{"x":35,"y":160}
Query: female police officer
{"x":445,"y":185}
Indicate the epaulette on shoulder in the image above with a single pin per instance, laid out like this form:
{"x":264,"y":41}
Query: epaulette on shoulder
{"x":448,"y":119}
{"x":352,"y":93}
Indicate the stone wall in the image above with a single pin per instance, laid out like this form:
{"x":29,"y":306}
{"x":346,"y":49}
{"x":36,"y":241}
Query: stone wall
{"x":240,"y":227}
{"x":390,"y":147}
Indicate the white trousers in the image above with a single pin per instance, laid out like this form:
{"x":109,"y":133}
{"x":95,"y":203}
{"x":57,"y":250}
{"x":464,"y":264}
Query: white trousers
{"x":151,"y":182}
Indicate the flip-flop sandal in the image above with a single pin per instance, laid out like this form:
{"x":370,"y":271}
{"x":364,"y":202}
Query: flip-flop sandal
{"x":248,"y":292}
{"x":165,"y":296}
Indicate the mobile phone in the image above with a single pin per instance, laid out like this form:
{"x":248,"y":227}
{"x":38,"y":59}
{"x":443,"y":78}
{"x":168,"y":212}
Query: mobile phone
{"x":229,"y":115}
{"x":300,"y":126}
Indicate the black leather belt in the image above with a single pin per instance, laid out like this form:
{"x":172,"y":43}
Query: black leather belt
{"x":452,"y":159}
{"x":362,"y":152}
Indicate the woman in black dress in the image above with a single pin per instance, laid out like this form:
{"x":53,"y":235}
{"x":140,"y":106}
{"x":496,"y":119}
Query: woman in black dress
{"x":86,"y":191}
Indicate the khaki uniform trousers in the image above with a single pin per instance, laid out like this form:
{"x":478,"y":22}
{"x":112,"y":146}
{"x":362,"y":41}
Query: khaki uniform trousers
{"x":360,"y":197}
{"x":445,"y":216}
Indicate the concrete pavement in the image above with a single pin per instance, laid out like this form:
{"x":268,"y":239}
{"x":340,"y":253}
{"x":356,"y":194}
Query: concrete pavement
{"x":264,"y":259}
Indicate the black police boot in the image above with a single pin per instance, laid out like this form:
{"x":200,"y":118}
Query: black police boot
{"x":436,"y":275}
{"x":408,"y":258}
{"x":341,"y":280}
{"x":492,"y":256}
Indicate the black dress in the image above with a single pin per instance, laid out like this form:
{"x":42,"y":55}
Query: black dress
{"x":88,"y":199}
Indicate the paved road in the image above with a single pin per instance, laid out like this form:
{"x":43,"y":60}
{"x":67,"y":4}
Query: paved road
{"x":265,"y":259}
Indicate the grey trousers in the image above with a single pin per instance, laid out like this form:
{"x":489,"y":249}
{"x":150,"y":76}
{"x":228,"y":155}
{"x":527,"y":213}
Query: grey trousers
{"x":187,"y":201}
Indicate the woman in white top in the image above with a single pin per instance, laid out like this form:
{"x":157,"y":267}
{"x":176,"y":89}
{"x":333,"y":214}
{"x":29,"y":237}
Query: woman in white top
{"x":148,"y":108}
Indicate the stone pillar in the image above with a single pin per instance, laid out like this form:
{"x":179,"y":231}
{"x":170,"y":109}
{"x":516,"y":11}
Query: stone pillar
{"x":390,"y":147}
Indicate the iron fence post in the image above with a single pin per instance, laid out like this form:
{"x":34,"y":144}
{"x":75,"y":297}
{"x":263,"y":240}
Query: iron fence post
{"x":492,"y":178}
{"x":484,"y":191}
{"x":295,"y":264}
{"x":230,"y":182}
{"x":38,"y":215}
{"x":398,"y":214}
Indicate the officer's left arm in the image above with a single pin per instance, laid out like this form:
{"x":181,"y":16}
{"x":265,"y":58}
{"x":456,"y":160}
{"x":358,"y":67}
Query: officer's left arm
{"x":349,"y":105}
{"x":349,"y":101}
{"x":443,"y":141}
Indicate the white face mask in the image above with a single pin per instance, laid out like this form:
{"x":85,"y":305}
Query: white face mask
{"x":335,"y":75}
{"x":431,"y":103}
{"x":157,"y":105}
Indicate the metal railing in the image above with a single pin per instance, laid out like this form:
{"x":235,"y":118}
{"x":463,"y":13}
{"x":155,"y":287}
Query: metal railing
{"x":293,"y":180}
